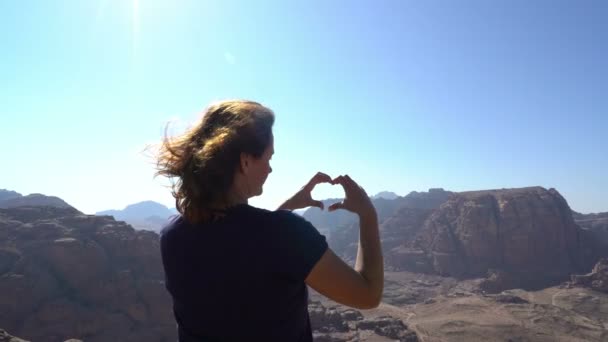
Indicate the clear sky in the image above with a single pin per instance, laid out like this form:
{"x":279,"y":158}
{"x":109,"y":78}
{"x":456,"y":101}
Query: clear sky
{"x":401,"y":95}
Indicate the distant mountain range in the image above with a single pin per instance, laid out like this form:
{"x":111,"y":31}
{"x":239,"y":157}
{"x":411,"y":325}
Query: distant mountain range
{"x":386,"y":195}
{"x":146,"y":215}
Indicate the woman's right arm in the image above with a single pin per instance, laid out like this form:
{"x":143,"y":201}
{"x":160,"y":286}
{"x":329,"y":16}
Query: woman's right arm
{"x":362,"y":286}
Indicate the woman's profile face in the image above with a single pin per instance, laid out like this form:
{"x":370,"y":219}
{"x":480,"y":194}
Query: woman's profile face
{"x":260,"y":169}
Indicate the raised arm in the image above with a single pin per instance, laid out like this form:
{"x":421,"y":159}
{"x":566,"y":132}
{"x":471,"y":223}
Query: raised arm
{"x":362,"y":286}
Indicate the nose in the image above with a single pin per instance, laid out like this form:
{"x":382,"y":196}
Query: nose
{"x":270,"y":169}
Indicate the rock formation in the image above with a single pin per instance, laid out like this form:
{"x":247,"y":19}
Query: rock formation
{"x":597,"y":279}
{"x":147,"y":215}
{"x":527,"y":231}
{"x":8,"y":194}
{"x":11,"y":199}
{"x":64,"y":274}
{"x":595,"y":226}
{"x":516,"y":237}
{"x":343,"y":324}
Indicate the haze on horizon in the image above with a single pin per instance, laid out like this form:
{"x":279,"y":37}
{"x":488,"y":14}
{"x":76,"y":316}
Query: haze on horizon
{"x":403,"y":96}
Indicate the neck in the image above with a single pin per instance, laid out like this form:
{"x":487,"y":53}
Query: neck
{"x":234,"y":197}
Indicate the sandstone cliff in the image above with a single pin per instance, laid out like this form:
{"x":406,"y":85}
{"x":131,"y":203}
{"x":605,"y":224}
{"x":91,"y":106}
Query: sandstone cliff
{"x":65,"y":275}
{"x":528,"y":229}
{"x":522,"y":237}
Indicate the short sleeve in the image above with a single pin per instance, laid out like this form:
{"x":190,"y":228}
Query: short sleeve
{"x":298,"y":243}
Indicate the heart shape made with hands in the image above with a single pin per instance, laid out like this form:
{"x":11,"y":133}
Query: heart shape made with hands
{"x":326,"y":191}
{"x":354,"y":198}
{"x":319,"y":180}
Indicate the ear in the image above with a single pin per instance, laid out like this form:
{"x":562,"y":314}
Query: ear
{"x":245,"y":162}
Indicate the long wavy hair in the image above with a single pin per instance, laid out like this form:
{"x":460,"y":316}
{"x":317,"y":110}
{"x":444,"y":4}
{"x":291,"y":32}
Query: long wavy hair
{"x":202,"y":161}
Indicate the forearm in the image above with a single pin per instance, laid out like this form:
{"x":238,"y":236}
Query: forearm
{"x":370,"y":262}
{"x":287,"y":205}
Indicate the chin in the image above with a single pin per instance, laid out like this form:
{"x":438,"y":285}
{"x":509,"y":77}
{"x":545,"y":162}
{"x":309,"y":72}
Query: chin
{"x":257,"y":193}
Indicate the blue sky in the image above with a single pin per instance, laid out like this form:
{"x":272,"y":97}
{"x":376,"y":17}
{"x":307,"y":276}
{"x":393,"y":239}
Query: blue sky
{"x":401,"y":95}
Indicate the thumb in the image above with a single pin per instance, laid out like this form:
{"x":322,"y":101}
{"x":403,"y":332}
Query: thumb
{"x":336,"y":206}
{"x":317,"y":204}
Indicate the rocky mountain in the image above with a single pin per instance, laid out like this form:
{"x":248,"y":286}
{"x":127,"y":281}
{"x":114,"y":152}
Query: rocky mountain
{"x":146,"y":215}
{"x":519,"y":230}
{"x":389,"y":195}
{"x":68,"y":275}
{"x":8,"y":194}
{"x":517,"y":237}
{"x":12,"y":199}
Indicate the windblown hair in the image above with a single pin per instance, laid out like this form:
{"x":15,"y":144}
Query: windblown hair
{"x":202,"y":161}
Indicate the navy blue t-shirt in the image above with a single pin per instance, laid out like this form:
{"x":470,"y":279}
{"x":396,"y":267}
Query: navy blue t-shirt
{"x":241,"y":277}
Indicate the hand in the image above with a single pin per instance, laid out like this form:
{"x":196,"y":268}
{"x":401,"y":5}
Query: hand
{"x":355,"y":198}
{"x":303,"y":198}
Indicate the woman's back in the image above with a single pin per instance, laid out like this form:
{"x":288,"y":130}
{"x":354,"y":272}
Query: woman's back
{"x":241,"y":277}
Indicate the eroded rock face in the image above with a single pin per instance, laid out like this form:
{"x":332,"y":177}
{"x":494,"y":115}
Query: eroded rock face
{"x":342,"y":324}
{"x":517,"y":237}
{"x":597,"y":279}
{"x":598,"y":221}
{"x":525,"y":231}
{"x":68,"y":275}
{"x":388,"y":327}
{"x":595,"y":229}
{"x":400,"y":220}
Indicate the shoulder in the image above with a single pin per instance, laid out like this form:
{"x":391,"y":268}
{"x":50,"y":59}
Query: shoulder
{"x":279,"y":221}
{"x":171,"y":226}
{"x":286,"y":218}
{"x":280,"y":216}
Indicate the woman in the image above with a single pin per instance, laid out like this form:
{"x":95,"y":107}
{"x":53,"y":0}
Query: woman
{"x":239,"y":273}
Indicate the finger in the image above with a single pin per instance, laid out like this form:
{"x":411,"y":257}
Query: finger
{"x":336,"y":206}
{"x":317,"y":204}
{"x":338,"y":180}
{"x":350,"y":182}
{"x":346,"y":184}
{"x":320,"y":177}
{"x":355,"y":185}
